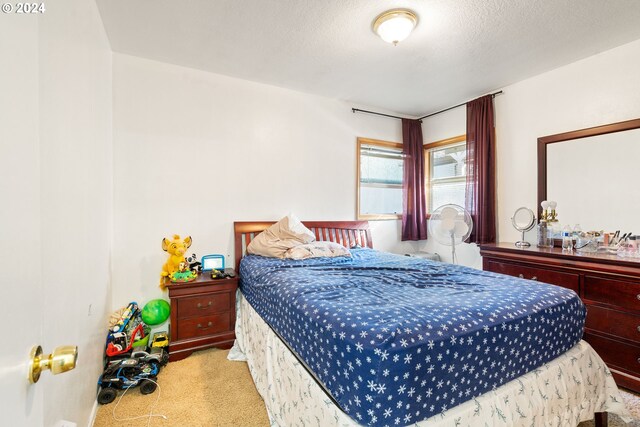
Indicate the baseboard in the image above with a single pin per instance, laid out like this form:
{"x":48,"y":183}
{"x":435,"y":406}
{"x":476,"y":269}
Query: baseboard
{"x":94,"y":412}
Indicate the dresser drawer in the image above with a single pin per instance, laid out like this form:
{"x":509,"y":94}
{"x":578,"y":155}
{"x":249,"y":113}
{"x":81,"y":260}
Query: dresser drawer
{"x":612,"y":291}
{"x":616,"y":354}
{"x":204,"y":325}
{"x":204,"y":304}
{"x":566,"y":280}
{"x":613,"y":322}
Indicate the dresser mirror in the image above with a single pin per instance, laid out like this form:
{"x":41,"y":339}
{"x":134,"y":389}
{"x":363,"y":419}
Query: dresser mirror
{"x":593,"y":174}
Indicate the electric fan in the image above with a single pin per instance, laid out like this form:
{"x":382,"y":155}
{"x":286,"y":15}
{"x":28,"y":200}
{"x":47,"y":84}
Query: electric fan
{"x":450,"y":225}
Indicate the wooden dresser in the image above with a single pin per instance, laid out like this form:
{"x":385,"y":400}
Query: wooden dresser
{"x":608,"y":285}
{"x":203,"y":315}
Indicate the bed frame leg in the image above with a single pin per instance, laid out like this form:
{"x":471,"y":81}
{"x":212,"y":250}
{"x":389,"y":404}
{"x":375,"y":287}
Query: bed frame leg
{"x":601,"y":419}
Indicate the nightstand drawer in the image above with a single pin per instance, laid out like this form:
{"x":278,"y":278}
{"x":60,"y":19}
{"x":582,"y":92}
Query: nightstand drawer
{"x":204,"y":325}
{"x":204,"y":305}
{"x":560,"y":278}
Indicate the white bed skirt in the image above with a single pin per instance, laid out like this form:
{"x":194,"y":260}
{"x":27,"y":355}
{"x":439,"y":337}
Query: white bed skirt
{"x":562,"y":393}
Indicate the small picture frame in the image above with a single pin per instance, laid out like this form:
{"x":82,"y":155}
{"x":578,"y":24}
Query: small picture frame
{"x":212,"y":262}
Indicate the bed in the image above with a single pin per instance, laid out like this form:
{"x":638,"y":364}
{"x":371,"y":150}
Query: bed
{"x":382,"y":340}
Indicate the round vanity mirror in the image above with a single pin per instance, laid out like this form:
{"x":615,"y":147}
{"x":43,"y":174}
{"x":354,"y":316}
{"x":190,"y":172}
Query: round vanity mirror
{"x":523,"y":220}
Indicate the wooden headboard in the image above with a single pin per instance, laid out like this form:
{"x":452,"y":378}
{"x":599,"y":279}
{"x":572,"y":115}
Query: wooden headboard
{"x":347,"y":233}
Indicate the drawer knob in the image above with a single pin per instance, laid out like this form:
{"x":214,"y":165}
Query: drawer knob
{"x":199,"y":326}
{"x":638,"y":359}
{"x":534,"y":278}
{"x":522,"y":277}
{"x":200,"y":305}
{"x":638,"y":328}
{"x":638,"y":296}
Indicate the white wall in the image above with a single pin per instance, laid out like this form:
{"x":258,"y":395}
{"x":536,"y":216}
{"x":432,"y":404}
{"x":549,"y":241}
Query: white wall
{"x":59,"y":220}
{"x":601,"y":89}
{"x":195,"y":151}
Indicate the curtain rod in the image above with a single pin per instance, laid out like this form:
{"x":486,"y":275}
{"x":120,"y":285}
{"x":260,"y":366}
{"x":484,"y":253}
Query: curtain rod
{"x":354,"y":110}
{"x":493,"y":95}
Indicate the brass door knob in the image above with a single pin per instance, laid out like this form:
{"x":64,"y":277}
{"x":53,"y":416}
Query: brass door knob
{"x":62,"y":359}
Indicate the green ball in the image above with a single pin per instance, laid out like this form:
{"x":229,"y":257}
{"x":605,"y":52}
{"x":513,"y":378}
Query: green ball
{"x":155,"y":312}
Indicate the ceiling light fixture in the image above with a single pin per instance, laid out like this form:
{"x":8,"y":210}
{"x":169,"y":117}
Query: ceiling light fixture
{"x":395,"y":25}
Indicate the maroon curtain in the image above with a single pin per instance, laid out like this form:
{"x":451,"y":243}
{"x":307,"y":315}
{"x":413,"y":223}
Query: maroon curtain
{"x":414,"y":211}
{"x":480,"y":194}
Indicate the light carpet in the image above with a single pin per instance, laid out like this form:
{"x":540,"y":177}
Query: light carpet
{"x":206,"y":389}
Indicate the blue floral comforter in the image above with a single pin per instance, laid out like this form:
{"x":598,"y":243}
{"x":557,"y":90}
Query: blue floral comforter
{"x":395,"y":338}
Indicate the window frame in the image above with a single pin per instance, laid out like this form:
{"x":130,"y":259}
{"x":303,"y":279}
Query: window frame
{"x":379,"y":143}
{"x":427,"y":169}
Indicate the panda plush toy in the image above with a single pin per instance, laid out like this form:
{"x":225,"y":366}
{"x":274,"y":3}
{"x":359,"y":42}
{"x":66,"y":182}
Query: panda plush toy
{"x":194,"y":264}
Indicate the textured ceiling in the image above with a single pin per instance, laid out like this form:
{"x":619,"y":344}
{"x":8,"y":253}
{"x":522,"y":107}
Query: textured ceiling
{"x":460,"y":48}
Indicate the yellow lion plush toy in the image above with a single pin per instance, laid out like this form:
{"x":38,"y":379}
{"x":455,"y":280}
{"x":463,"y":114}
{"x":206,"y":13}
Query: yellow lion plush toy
{"x":176,"y":249}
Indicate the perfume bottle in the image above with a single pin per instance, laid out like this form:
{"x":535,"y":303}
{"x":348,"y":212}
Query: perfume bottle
{"x":544,"y":230}
{"x":543,"y":234}
{"x":632,"y":247}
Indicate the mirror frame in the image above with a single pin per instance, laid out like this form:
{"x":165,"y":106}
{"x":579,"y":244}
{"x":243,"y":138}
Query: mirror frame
{"x":532,"y":224}
{"x":544,"y":141}
{"x":529,"y":226}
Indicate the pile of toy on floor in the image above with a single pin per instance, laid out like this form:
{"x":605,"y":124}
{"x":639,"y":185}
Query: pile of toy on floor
{"x":131,"y":359}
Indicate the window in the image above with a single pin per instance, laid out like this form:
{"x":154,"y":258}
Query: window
{"x":446,"y":172}
{"x":379,"y":180}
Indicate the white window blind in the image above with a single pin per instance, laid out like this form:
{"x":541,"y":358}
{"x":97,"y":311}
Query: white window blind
{"x":447,"y":175}
{"x":380,"y":180}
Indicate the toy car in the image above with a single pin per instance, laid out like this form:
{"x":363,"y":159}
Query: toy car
{"x":127,"y":373}
{"x":119,"y":343}
{"x":160,"y":339}
{"x":157,"y":355}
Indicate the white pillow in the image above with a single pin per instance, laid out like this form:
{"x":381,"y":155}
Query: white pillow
{"x":281,"y":236}
{"x":317,"y":250}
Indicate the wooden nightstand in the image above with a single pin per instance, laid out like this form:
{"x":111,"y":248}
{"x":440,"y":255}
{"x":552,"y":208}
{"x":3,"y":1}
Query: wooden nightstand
{"x":203,"y":314}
